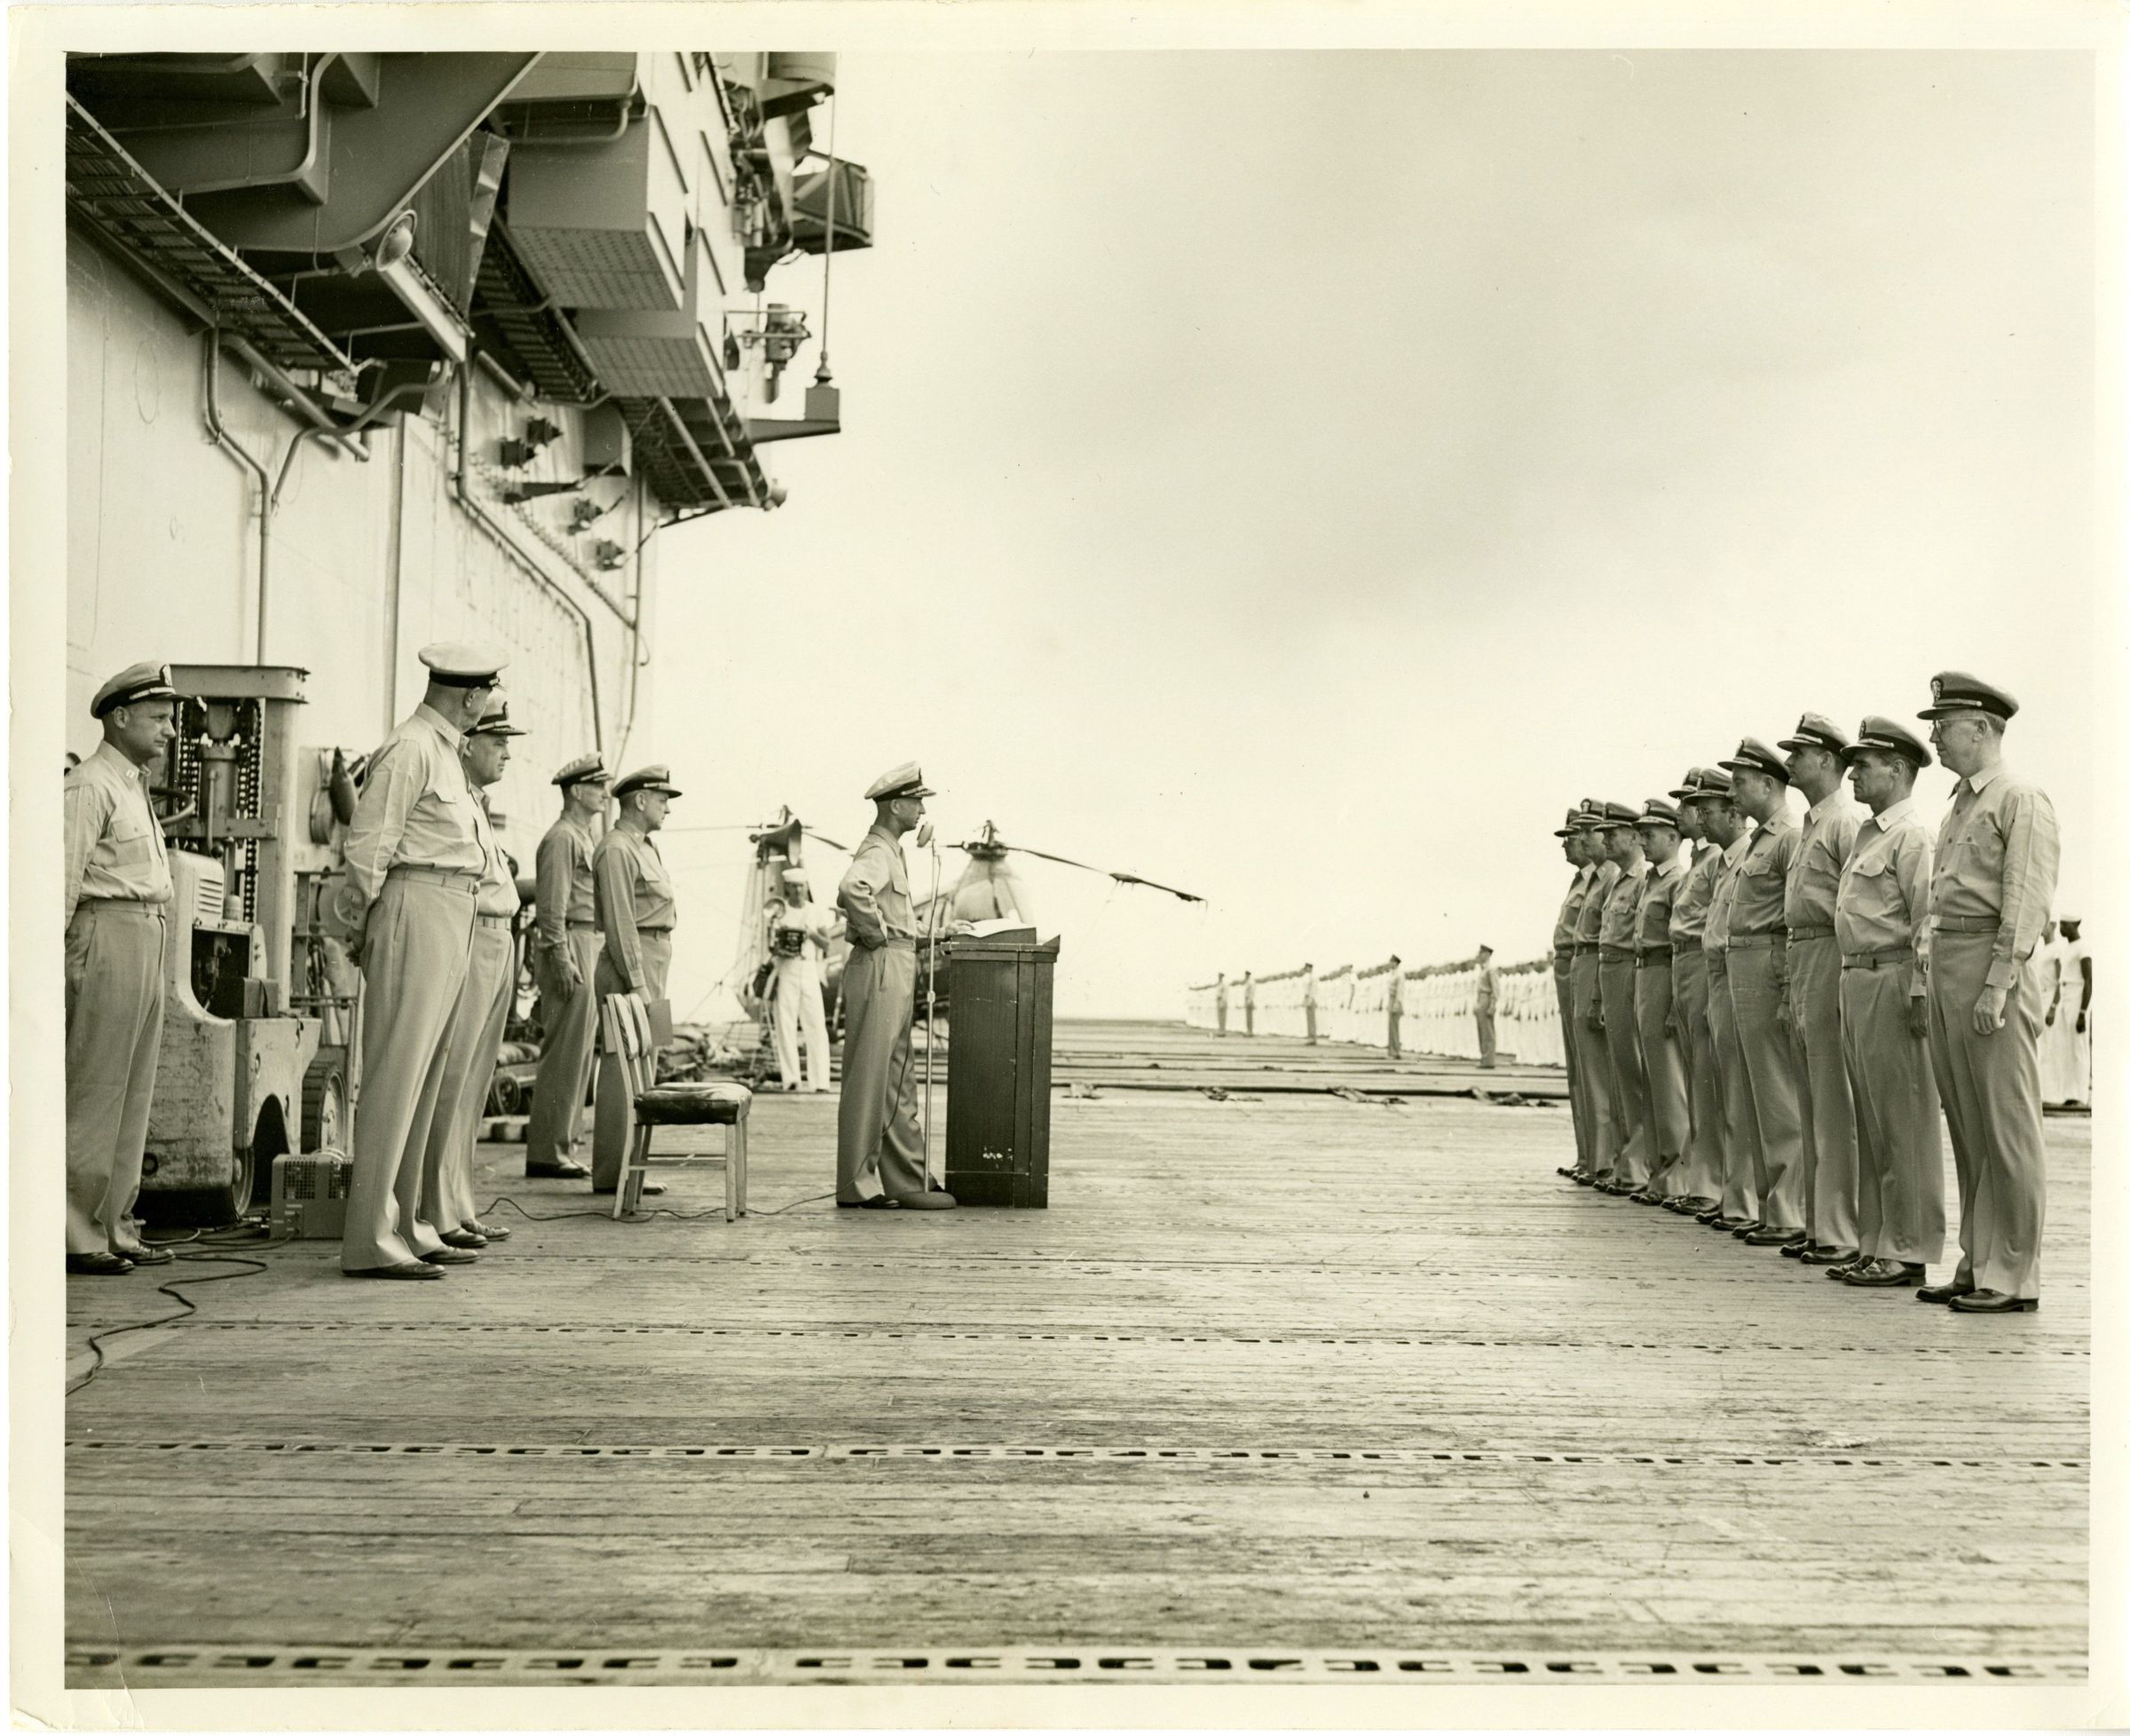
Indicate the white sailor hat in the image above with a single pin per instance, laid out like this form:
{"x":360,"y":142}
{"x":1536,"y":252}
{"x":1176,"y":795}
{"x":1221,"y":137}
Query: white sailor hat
{"x":131,"y":686}
{"x":795,"y":877}
{"x":584,"y":768}
{"x":647,"y":777}
{"x":904,"y":780}
{"x":456,"y":664}
{"x":496,"y":721}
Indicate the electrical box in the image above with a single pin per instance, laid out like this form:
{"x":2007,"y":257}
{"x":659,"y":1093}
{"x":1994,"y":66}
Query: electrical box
{"x":311,"y":1195}
{"x":999,"y":1070}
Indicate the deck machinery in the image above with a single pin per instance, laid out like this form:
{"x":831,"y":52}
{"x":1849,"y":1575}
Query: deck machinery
{"x":260,"y":1004}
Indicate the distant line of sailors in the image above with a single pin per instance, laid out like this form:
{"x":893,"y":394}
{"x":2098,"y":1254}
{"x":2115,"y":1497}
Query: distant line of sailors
{"x":1762,"y":1036}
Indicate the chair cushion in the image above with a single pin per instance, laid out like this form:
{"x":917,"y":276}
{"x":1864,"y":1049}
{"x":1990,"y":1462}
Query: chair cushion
{"x":693,"y":1104}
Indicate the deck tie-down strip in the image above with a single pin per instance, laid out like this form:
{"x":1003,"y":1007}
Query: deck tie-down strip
{"x":954,"y":1453}
{"x":326,"y":1666}
{"x":599,"y":1329}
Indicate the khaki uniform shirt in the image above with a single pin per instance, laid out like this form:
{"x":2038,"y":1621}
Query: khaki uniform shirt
{"x":1490,"y":987}
{"x":1571,"y":908}
{"x":1883,"y":903}
{"x":416,"y":807}
{"x":632,"y":893}
{"x":1996,"y":862}
{"x":1660,"y":892}
{"x":114,"y":843}
{"x":1690,"y":902}
{"x":1590,"y":920}
{"x":1715,"y":933}
{"x":497,"y":895}
{"x":1622,"y":904}
{"x":1824,"y":843}
{"x":1761,"y":877}
{"x":563,"y":869}
{"x":875,"y":893}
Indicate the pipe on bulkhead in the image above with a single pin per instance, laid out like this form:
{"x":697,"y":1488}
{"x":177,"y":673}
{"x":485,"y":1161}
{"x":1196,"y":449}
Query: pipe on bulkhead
{"x":502,"y":537}
{"x":212,"y":362}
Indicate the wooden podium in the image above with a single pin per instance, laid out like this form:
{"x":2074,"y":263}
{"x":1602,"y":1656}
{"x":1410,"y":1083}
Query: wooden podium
{"x":999,"y":1069}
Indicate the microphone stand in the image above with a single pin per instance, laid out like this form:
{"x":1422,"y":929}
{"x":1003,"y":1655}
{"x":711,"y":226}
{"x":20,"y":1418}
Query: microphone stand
{"x":931,"y":985}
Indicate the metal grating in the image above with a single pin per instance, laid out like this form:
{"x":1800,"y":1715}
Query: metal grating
{"x":533,"y":336}
{"x":951,"y":1453}
{"x":910,"y":1335}
{"x":331,"y":1666}
{"x":124,"y":203}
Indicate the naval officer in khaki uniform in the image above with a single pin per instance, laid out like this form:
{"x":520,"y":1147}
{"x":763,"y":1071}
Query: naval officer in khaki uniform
{"x":632,"y":895}
{"x":1616,"y":1001}
{"x":879,"y":1156}
{"x":117,"y":885}
{"x":1760,"y":784}
{"x":1572,"y":847}
{"x":1702,"y":1183}
{"x":1882,"y":924}
{"x":1656,"y":1020}
{"x":1813,"y":973}
{"x":414,"y":860}
{"x":1737,"y":1207}
{"x":448,"y":1207}
{"x":1993,"y":881}
{"x":565,"y":957}
{"x":1590,"y":1014}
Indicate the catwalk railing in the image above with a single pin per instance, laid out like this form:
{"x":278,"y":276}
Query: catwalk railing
{"x":1436,"y":1008}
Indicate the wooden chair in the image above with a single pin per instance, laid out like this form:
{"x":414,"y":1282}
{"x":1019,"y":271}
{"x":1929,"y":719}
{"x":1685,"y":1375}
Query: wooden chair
{"x":625,"y":1029}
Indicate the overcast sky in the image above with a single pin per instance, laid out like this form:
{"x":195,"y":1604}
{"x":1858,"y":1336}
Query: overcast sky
{"x":1299,"y":477}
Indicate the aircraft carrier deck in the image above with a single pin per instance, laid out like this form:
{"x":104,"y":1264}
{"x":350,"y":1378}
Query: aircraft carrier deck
{"x":1327,"y":1379}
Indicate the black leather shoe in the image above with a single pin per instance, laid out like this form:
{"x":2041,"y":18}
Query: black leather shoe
{"x":1944,"y":1292}
{"x":935,"y":1200}
{"x":413,"y":1268}
{"x":1995,"y":1302}
{"x":147,"y":1255}
{"x":877,"y":1203}
{"x":1745,"y":1226}
{"x":449,"y":1257}
{"x":1824,"y":1255}
{"x":1565,"y":1169}
{"x":1796,"y":1249}
{"x":486,"y":1232}
{"x":1708,"y":1214}
{"x":99,"y":1266}
{"x":1882,"y":1274}
{"x":1586,"y":1181}
{"x":462,"y":1238}
{"x":1773,"y":1235}
{"x":565,"y":1169}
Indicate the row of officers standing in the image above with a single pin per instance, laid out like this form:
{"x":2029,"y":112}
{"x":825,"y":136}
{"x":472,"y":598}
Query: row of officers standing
{"x":1762,"y":1033}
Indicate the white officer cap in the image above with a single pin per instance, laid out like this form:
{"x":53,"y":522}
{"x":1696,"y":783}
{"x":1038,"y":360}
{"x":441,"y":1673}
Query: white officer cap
{"x":129,"y":686}
{"x":457,"y":665}
{"x":905,"y":780}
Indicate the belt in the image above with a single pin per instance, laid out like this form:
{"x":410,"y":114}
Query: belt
{"x":1616,"y":955}
{"x":1742,"y":943}
{"x":456,"y":879}
{"x":492,"y":921}
{"x":1897,"y":955}
{"x":1564,"y":952}
{"x":156,"y":904}
{"x":1649,"y":955}
{"x":895,"y":943}
{"x":1583,"y":948}
{"x":573,"y":923}
{"x":1797,"y":935}
{"x":1966,"y":925}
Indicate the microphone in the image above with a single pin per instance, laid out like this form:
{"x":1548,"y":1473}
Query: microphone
{"x":924,"y":836}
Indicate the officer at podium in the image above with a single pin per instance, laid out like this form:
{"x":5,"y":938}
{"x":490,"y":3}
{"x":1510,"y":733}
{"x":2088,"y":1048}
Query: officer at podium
{"x":879,"y":1156}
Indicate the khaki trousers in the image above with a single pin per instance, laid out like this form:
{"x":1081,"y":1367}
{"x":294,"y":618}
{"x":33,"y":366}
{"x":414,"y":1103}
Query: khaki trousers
{"x":1704,"y":1175}
{"x":1772,"y":1082}
{"x":1597,"y":1069}
{"x":1991,"y":1088}
{"x":878,"y":1150}
{"x":1663,"y":1066}
{"x":569,"y":1022}
{"x":477,"y":1033}
{"x":1629,"y":1083}
{"x":613,"y":1115}
{"x":115,"y":990}
{"x":1740,"y":1196}
{"x":1900,"y":1163}
{"x":420,"y":945}
{"x":1484,"y":1020}
{"x":799,"y":1011}
{"x":1578,"y":1112}
{"x":1830,"y":1148}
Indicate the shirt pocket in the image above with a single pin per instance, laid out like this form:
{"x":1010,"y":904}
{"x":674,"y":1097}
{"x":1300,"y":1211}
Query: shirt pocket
{"x":129,"y":841}
{"x":1978,"y":852}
